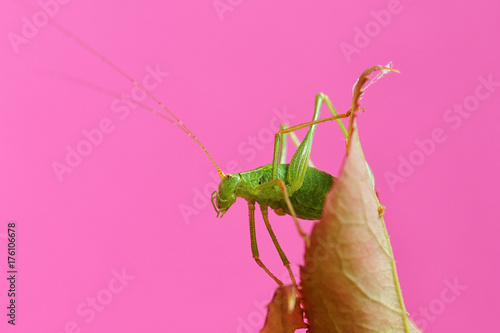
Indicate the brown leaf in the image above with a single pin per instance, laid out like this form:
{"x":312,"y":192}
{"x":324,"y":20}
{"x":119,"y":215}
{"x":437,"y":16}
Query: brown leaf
{"x":284,"y":313}
{"x":349,"y":279}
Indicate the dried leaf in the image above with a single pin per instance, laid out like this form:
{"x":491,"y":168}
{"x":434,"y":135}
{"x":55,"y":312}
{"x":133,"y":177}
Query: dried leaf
{"x":349,"y":279}
{"x":284,"y":313}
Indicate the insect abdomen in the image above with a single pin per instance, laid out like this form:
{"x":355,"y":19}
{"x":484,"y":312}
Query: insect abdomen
{"x":307,"y":200}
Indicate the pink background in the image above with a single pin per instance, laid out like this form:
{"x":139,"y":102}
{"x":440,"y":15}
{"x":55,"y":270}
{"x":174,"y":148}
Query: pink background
{"x":119,"y":209}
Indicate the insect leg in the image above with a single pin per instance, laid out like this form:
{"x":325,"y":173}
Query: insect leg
{"x":284,"y":191}
{"x":284,"y":143}
{"x":298,"y":164}
{"x":289,"y":130}
{"x":304,"y":149}
{"x":283,"y":257}
{"x":253,"y":241}
{"x":329,"y":104}
{"x":280,"y":141}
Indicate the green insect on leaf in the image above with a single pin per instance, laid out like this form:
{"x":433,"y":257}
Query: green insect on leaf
{"x":355,"y":285}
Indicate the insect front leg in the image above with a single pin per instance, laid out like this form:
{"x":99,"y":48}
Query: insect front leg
{"x":283,"y":257}
{"x":253,"y":242}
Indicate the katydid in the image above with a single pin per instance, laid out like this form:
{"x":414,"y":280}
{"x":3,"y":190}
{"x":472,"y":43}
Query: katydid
{"x":297,"y":189}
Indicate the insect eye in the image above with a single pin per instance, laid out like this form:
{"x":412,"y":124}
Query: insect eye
{"x":229,"y":176}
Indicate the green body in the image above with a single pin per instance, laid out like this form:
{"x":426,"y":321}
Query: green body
{"x":307,"y":200}
{"x":297,"y":188}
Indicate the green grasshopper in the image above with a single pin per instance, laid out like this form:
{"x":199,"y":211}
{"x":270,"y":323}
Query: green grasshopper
{"x":297,"y":188}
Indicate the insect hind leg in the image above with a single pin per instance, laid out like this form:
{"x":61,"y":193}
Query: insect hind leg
{"x":284,"y":143}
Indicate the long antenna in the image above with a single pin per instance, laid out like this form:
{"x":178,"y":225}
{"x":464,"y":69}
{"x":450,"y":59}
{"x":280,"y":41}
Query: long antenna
{"x":117,"y":69}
